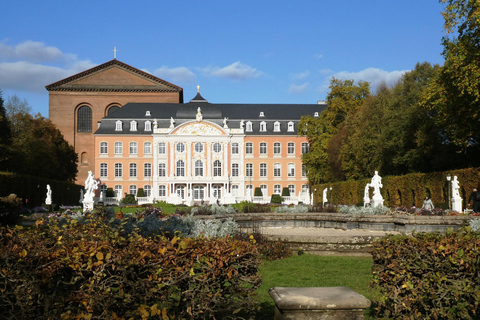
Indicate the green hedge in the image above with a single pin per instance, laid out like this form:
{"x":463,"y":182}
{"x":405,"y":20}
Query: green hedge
{"x":428,"y":275}
{"x":407,"y":190}
{"x":89,"y":271}
{"x":34,"y":189}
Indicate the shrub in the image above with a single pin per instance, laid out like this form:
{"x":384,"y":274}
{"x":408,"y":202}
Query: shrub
{"x":128,"y":199}
{"x":474,"y":225}
{"x":292,"y":209}
{"x":140,"y":193}
{"x":10,"y":210}
{"x":110,"y":193}
{"x":213,"y":209}
{"x":269,"y":249}
{"x":258,"y":192}
{"x":276,"y":198}
{"x":86,"y":270}
{"x":363,"y":210}
{"x":285,"y":192}
{"x":428,"y":275}
{"x":250,"y":207}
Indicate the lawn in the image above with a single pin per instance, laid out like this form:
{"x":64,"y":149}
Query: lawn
{"x":314,"y":271}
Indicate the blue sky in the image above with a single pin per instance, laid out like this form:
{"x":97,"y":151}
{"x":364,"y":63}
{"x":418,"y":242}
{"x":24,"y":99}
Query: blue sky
{"x":237,"y":51}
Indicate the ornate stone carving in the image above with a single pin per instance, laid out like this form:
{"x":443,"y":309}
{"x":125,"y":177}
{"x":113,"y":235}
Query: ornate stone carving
{"x":199,"y":128}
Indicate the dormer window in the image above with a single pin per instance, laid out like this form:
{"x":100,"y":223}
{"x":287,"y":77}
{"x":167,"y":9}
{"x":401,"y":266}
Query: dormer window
{"x":133,"y":125}
{"x":315,"y":114}
{"x":290,"y":127}
{"x":118,"y":125}
{"x":249,"y":126}
{"x":276,"y":126}
{"x":148,"y":126}
{"x":263,"y":126}
{"x":261,"y":114}
{"x":147,"y":114}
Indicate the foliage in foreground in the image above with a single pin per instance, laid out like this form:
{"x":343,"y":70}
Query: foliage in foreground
{"x":10,"y":209}
{"x":89,"y":270}
{"x":428,"y":275}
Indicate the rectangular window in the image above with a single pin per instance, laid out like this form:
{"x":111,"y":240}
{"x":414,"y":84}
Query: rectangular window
{"x":148,"y":190}
{"x":277,"y":170}
{"x":263,"y":169}
{"x":103,"y":170}
{"x":147,"y":170}
{"x":162,"y":170}
{"x":133,"y":170}
{"x":161,"y":148}
{"x":147,"y":148}
{"x":277,"y":148}
{"x":277,"y":189}
{"x":304,"y":172}
{"x":162,"y":191}
{"x":291,"y":148}
{"x":234,"y":169}
{"x":118,"y":148}
{"x":249,"y":170}
{"x":133,"y":148}
{"x":249,"y":148}
{"x":104,"y":147}
{"x":291,"y":188}
{"x":118,"y":170}
{"x":234,"y":148}
{"x":118,"y":190}
{"x":133,"y":190}
{"x":263,"y":148}
{"x":291,"y":170}
{"x":305,"y":147}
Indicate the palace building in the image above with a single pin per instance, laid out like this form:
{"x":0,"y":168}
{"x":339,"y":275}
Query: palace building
{"x":132,"y":130}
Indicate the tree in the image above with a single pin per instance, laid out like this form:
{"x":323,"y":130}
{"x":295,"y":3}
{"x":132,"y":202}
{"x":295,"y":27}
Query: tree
{"x":5,"y":138}
{"x":343,"y":99}
{"x":455,"y":94}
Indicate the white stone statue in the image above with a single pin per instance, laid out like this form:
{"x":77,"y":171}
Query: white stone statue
{"x":81,"y":196}
{"x":48,"y":200}
{"x":456,"y":199}
{"x":225,"y":122}
{"x":242,"y":124}
{"x":199,"y":114}
{"x":90,"y":186}
{"x":172,"y":121}
{"x":155,"y":124}
{"x":325,"y":196}
{"x":366,"y":195}
{"x":376,"y":184}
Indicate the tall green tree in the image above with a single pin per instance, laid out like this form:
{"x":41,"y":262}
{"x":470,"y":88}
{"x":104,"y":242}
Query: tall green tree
{"x":345,"y":97}
{"x":5,"y":138}
{"x":455,"y":94}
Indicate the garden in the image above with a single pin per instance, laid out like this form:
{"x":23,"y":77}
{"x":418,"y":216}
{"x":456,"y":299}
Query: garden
{"x":164,"y":262}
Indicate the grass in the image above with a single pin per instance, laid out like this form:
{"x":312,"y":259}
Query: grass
{"x":314,"y":271}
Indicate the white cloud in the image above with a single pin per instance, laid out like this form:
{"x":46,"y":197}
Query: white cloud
{"x":300,"y":76}
{"x":372,"y":75}
{"x":179,"y":74}
{"x":30,"y":66}
{"x":297,"y":89}
{"x":318,"y":56}
{"x":236,"y":71}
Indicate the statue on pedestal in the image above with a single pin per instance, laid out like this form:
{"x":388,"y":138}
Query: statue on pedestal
{"x":90,"y":186}
{"x":376,"y":184}
{"x":48,"y":200}
{"x":456,"y":199}
{"x":324,"y":196}
{"x":366,"y":195}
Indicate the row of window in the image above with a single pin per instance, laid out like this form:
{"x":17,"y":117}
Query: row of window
{"x":199,"y":169}
{"x":199,"y":190}
{"x":199,"y":148}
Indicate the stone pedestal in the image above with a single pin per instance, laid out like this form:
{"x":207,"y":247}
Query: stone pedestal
{"x":318,"y":303}
{"x":88,"y":205}
{"x":457,"y":204}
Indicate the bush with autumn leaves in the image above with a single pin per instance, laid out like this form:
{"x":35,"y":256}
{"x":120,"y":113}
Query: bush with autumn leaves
{"x":88,"y":270}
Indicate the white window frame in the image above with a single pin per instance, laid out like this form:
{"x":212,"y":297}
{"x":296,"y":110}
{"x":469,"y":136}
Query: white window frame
{"x":276,"y":126}
{"x":148,"y":126}
{"x":162,"y":191}
{"x":118,"y":147}
{"x":132,"y":170}
{"x":103,"y":170}
{"x":133,"y":125}
{"x":147,"y":148}
{"x":147,"y":169}
{"x":291,"y":170}
{"x":263,"y":170}
{"x":290,"y":127}
{"x":291,"y":148}
{"x":162,"y":169}
{"x":277,"y":148}
{"x":118,"y":125}
{"x":249,"y":169}
{"x":263,"y":148}
{"x":249,"y":126}
{"x":234,"y":148}
{"x":133,"y":148}
{"x":103,"y":147}
{"x":249,"y":148}
{"x":277,"y":170}
{"x":235,"y":169}
{"x":118,"y":170}
{"x":263,"y":126}
{"x":162,"y":148}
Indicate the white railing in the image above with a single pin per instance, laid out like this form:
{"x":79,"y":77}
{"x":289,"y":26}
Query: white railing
{"x":143,"y":200}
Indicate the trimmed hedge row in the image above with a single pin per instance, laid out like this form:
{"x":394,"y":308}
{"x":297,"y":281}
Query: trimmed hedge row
{"x":407,"y":190}
{"x":34,"y":189}
{"x":428,"y":275}
{"x":83,"y":271}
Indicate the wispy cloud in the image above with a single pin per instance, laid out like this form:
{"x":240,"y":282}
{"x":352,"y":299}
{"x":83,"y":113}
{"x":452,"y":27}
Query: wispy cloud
{"x":236,"y":71}
{"x":318,"y":56}
{"x":178,"y":74}
{"x":372,"y":75}
{"x":301,"y":75}
{"x":30,"y":66}
{"x":298,"y":89}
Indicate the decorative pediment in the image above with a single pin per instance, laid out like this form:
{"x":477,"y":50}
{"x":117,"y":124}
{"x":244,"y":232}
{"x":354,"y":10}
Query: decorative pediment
{"x":113,"y":76}
{"x":199,"y":129}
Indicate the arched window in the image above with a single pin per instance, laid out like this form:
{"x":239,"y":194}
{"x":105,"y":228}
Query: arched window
{"x":148,"y":126}
{"x":118,"y":147}
{"x":148,"y":190}
{"x":103,"y":147}
{"x":162,"y":191}
{"x":277,"y":148}
{"x":162,"y":170}
{"x":118,"y":190}
{"x":133,"y":125}
{"x":277,"y":189}
{"x":180,"y":147}
{"x":84,"y":119}
{"x":291,"y":148}
{"x":133,"y":170}
{"x":263,"y":169}
{"x":118,"y":125}
{"x":103,"y":170}
{"x":118,"y":170}
{"x":112,"y":109}
{"x":249,"y":148}
{"x":234,"y":169}
{"x":217,"y":147}
{"x":133,"y":148}
{"x":217,"y":168}
{"x":276,"y":126}
{"x":199,"y":147}
{"x":147,"y":169}
{"x":290,"y":127}
{"x":305,"y":147}
{"x":263,"y":148}
{"x":147,"y":148}
{"x":249,"y":126}
{"x":291,"y":169}
{"x":249,"y":169}
{"x":277,"y":170}
{"x":133,"y":190}
{"x":180,"y":168}
{"x":84,"y":157}
{"x":263,"y":126}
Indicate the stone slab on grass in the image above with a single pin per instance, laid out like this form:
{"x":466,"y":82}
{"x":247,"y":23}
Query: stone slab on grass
{"x":322,"y":303}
